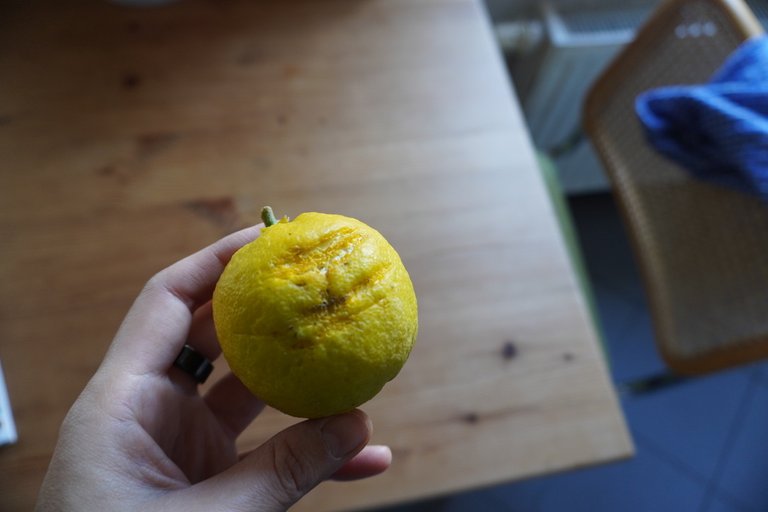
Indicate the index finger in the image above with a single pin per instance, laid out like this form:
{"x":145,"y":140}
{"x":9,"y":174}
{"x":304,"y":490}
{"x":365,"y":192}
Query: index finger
{"x":156,"y":327}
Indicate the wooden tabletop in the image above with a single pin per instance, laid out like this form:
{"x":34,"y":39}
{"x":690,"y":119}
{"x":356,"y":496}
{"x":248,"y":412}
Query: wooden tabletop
{"x":130,"y":137}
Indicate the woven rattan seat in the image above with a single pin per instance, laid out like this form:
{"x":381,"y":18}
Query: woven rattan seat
{"x":702,"y":249}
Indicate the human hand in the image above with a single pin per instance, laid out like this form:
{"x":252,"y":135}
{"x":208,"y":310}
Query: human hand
{"x":141,"y":437}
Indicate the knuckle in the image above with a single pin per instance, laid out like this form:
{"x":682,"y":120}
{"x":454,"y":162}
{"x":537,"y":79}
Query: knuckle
{"x":152,"y":286}
{"x":293,"y":472}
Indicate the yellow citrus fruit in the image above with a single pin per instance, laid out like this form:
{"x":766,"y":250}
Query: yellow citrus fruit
{"x":316,"y":314}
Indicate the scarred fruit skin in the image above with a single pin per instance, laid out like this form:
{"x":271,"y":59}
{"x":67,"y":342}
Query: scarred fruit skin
{"x":316,"y":314}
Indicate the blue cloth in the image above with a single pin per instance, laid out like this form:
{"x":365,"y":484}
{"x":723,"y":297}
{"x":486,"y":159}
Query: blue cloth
{"x":718,"y":130}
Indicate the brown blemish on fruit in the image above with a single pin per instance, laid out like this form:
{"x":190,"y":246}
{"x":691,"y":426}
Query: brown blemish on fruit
{"x":470,"y":418}
{"x":328,"y":304}
{"x":334,"y":301}
{"x":299,"y":342}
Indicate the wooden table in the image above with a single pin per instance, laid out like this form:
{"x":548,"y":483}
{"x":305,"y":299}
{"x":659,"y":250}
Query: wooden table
{"x":131,"y":137}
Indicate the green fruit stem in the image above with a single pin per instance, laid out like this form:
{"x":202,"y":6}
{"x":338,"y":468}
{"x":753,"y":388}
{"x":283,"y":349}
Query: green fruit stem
{"x":268,"y":216}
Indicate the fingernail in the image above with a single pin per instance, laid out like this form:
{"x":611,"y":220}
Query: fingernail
{"x":345,"y":433}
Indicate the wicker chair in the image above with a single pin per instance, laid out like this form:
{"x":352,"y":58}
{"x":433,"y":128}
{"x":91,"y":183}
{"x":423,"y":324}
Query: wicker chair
{"x":702,"y":249}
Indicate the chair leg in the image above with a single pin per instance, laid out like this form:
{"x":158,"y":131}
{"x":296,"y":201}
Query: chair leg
{"x":650,"y":384}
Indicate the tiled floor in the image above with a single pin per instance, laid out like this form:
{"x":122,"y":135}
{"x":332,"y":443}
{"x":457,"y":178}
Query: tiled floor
{"x":702,"y":446}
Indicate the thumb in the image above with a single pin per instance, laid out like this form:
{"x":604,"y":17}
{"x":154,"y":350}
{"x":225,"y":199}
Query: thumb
{"x":281,"y":471}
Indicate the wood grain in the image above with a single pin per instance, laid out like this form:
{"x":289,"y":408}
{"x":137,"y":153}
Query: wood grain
{"x":131,"y":137}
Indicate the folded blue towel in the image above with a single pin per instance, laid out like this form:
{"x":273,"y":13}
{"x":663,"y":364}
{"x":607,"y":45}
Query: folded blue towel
{"x":719,"y":130}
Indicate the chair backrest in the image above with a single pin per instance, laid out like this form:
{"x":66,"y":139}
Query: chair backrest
{"x":702,"y":249}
